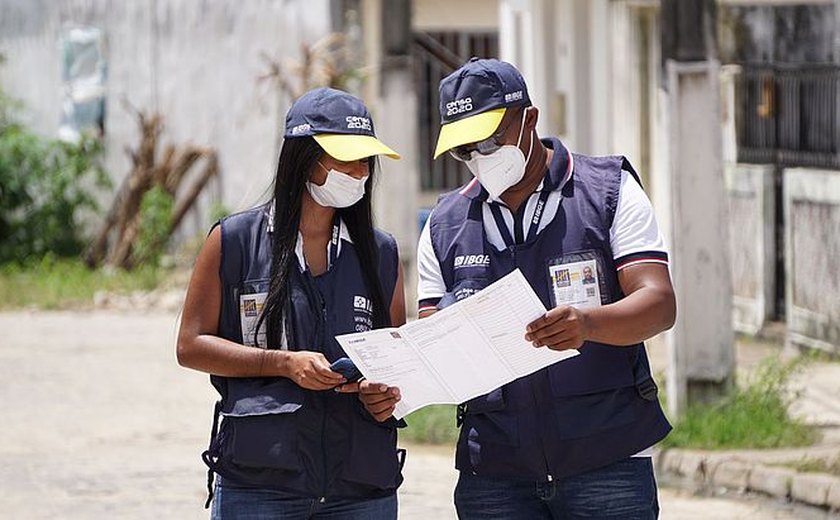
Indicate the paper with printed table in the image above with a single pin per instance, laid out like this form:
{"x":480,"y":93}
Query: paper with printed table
{"x":458,"y":353}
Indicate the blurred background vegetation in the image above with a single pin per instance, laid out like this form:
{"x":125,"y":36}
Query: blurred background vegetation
{"x":46,"y":185}
{"x":754,"y":415}
{"x":49,"y":193}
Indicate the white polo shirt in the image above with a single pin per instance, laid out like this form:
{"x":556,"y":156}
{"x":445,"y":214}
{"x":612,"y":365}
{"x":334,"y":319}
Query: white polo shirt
{"x":634,"y":235}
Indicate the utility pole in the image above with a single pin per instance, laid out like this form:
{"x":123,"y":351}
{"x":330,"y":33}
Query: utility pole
{"x":701,"y":345}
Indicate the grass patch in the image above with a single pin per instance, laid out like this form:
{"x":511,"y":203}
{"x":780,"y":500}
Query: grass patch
{"x":752,"y":416}
{"x":67,"y":283}
{"x":431,"y":425}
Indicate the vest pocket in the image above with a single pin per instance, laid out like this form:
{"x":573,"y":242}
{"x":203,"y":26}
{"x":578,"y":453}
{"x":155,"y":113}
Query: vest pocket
{"x":585,"y":415}
{"x":261,"y":423}
{"x":373,"y":459}
{"x":598,"y":368}
{"x":486,"y":420}
{"x":489,"y":402}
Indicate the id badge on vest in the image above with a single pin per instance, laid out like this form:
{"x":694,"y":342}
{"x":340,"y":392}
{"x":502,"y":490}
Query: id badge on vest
{"x":252,"y":295}
{"x":577,"y":280}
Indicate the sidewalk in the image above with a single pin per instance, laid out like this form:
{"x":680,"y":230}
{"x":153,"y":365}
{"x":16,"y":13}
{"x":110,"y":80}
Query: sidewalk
{"x":103,"y":424}
{"x":771,"y":472}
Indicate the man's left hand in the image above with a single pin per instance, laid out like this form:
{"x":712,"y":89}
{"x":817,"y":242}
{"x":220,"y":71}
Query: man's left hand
{"x":561,"y":328}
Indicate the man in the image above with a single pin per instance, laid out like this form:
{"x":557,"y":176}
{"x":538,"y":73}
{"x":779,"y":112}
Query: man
{"x":572,"y":440}
{"x":587,"y":275}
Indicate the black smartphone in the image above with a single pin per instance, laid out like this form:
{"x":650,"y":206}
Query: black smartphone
{"x":347,"y":368}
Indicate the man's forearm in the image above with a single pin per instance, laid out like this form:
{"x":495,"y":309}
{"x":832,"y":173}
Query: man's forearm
{"x":637,"y":317}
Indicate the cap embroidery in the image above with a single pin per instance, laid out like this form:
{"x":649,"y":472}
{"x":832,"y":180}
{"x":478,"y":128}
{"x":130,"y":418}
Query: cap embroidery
{"x":357,"y":122}
{"x":459,"y":106}
{"x":301,"y":129}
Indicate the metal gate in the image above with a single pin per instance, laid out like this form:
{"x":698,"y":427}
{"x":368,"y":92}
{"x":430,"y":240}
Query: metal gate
{"x":436,"y":55}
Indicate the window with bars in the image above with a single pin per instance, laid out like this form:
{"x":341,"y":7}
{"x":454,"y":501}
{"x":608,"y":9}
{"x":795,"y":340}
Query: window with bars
{"x":436,"y":55}
{"x":788,"y":115}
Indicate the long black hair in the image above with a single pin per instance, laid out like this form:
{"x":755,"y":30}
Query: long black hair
{"x":298,"y":157}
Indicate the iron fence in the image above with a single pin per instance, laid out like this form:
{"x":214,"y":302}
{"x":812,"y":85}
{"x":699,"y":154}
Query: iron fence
{"x":436,"y":55}
{"x":788,"y":115}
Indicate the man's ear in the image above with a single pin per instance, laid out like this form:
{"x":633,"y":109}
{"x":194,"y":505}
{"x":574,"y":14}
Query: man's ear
{"x":532,"y":115}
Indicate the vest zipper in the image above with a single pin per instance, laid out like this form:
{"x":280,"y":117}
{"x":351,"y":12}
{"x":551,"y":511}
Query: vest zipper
{"x":324,"y":452}
{"x":540,"y":432}
{"x":321,"y":339}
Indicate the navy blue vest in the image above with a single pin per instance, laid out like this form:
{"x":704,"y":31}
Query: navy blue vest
{"x":275,"y":434}
{"x":577,"y":415}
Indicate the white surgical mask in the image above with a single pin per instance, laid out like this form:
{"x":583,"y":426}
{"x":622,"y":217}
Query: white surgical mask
{"x":503,"y":168}
{"x":340,"y":190}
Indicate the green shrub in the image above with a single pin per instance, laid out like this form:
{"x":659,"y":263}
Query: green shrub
{"x":45,"y":185}
{"x":753,"y":416}
{"x":431,"y":425}
{"x":155,"y":221}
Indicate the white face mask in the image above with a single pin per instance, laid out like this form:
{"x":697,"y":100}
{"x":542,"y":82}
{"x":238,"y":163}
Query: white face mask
{"x":503,"y":168}
{"x":340,"y":190}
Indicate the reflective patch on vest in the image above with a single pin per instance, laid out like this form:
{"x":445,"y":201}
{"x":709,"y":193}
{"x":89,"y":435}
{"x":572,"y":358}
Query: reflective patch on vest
{"x":362,"y":314}
{"x":577,"y":280}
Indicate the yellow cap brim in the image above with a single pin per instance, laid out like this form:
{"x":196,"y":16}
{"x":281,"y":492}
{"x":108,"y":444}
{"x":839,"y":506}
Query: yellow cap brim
{"x":468,"y":130}
{"x":352,"y":147}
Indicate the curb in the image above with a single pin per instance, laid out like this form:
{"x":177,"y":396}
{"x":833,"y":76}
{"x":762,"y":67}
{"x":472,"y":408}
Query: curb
{"x":815,"y":489}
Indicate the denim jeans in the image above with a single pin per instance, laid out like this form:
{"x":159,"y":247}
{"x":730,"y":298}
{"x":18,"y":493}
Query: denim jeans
{"x":624,"y":490}
{"x":242,"y":503}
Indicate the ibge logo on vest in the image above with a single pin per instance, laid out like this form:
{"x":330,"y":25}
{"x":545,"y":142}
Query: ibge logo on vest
{"x":362,"y":314}
{"x":463,"y":261}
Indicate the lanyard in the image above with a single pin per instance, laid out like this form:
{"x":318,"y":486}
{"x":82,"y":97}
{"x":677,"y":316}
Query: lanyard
{"x":334,"y":240}
{"x":534,"y":224}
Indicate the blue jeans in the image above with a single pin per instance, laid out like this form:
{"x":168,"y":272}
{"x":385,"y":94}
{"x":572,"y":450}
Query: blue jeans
{"x":242,"y":503}
{"x":624,"y":490}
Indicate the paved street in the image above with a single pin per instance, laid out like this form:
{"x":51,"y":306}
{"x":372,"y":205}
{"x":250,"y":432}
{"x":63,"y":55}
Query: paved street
{"x":100,"y":422}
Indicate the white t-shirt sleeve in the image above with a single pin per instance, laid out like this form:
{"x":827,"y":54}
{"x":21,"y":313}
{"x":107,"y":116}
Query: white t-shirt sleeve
{"x":634,"y":236}
{"x":430,"y":284}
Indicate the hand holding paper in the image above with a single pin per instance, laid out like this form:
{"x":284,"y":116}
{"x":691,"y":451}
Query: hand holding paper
{"x":460,"y":352}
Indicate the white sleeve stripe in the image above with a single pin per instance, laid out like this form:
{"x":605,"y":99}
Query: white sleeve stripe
{"x":642,"y":261}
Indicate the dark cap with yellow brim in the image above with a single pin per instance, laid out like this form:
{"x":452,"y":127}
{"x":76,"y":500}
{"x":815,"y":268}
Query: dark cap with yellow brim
{"x":473,"y":101}
{"x":339,"y":122}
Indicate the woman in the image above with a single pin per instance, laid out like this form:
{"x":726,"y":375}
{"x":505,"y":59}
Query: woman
{"x":271,"y":289}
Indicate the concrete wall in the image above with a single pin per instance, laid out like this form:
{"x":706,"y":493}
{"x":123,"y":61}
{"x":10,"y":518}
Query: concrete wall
{"x":592,"y":68}
{"x":812,"y":248}
{"x":459,"y":15}
{"x":197,"y":62}
{"x":752,"y":244}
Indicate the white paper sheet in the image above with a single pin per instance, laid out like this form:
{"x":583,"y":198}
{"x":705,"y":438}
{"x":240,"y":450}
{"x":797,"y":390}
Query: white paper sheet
{"x":458,"y":353}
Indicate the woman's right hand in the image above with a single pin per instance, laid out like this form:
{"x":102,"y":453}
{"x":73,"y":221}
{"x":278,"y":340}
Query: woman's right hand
{"x":379,"y":400}
{"x":311,"y":370}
